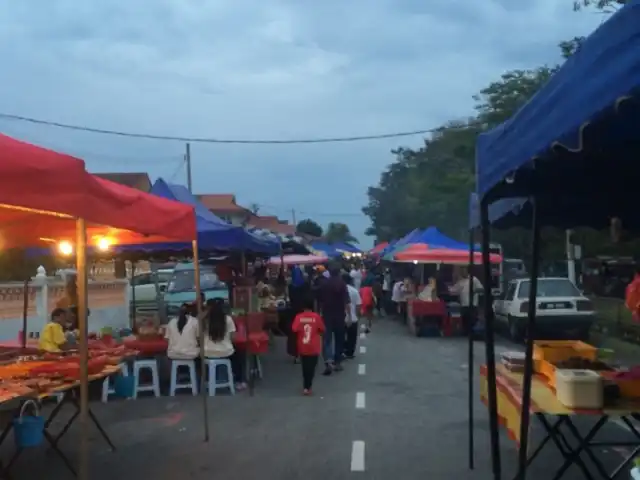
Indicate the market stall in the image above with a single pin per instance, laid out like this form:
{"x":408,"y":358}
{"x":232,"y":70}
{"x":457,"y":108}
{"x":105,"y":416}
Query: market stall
{"x":579,"y":126}
{"x":32,"y":216}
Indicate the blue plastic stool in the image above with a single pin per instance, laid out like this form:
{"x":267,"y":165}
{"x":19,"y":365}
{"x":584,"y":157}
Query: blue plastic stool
{"x":107,"y":388}
{"x":213,"y":364}
{"x":193,"y":381}
{"x":154,"y":387}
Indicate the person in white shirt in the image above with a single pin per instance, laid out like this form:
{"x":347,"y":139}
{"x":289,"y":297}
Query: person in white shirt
{"x":352,"y":320}
{"x":356,"y":276}
{"x":397,"y":296}
{"x":469,"y":305}
{"x":182,"y":334}
{"x":218,"y":342}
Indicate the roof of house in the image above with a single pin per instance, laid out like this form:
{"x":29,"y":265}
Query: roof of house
{"x":221,"y":202}
{"x":139,"y":180}
{"x":272,"y":223}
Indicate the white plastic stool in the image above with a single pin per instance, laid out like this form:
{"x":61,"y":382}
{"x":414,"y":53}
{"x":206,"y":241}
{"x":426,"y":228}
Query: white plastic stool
{"x":193,"y":381}
{"x":213,"y":364}
{"x":154,"y":387}
{"x":107,"y":389}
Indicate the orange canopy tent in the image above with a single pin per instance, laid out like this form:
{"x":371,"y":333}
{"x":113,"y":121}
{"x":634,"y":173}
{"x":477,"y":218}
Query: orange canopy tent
{"x":422,"y":253}
{"x":46,"y":196}
{"x":378,"y":248}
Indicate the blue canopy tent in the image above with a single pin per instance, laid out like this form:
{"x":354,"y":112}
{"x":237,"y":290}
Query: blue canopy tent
{"x":575,"y":136}
{"x":213,"y":233}
{"x":326,"y":248}
{"x":572,"y":149}
{"x":346,"y":247}
{"x":387,"y":253}
{"x":434,"y":237}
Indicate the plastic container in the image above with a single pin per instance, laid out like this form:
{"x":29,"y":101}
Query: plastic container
{"x":124,"y":386}
{"x":28,"y":430}
{"x":579,"y":388}
{"x":555,"y":351}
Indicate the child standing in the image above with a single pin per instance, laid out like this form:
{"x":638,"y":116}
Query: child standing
{"x":308,"y":326}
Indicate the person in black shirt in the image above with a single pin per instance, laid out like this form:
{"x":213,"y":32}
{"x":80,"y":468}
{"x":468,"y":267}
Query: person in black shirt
{"x":333,"y":299}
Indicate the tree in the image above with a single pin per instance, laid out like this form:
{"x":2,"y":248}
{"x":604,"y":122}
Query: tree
{"x":605,"y":6}
{"x":309,"y":227}
{"x":431,"y":185}
{"x":339,"y":232}
{"x":255,"y":208}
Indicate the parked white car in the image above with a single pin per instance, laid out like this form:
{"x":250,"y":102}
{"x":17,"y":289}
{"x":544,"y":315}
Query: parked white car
{"x":144,"y":285}
{"x":561,"y":309}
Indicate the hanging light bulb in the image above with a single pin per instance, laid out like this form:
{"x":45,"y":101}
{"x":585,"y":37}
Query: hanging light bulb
{"x":103,"y":244}
{"x":65,"y":248}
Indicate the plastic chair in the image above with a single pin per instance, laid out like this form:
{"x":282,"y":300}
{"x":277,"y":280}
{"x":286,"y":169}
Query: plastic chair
{"x":108,"y":388}
{"x":193,"y":380}
{"x":154,"y":387}
{"x":213,"y":364}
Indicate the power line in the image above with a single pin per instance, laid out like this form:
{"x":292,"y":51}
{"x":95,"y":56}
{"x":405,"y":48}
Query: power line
{"x":309,"y":214}
{"x":148,"y":136}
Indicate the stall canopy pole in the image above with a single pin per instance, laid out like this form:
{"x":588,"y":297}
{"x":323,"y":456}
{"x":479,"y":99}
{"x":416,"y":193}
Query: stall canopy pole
{"x":81,"y":279}
{"x":470,"y":359}
{"x":25,"y":315}
{"x":530,"y":331}
{"x":490,"y":343}
{"x":203,"y":370}
{"x":132,"y":318}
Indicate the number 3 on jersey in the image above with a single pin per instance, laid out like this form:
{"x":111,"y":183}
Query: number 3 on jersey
{"x":306,"y":338}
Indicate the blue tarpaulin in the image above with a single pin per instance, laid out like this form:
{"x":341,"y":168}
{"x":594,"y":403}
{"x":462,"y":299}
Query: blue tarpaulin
{"x":326,"y":248}
{"x":590,"y":105}
{"x":499,"y":211}
{"x":213,"y":232}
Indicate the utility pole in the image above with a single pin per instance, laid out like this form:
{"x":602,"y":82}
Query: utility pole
{"x":571,"y":259}
{"x":293,"y":216}
{"x":187,"y":162}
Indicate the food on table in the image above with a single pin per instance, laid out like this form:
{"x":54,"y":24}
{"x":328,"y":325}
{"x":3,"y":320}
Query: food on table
{"x":631,"y":374}
{"x":580,"y":363}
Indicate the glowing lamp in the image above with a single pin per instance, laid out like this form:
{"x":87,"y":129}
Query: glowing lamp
{"x":104,"y":244}
{"x":65,"y":248}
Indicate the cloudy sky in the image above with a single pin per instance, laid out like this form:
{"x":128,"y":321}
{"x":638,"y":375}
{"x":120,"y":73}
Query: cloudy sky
{"x":263,"y":69}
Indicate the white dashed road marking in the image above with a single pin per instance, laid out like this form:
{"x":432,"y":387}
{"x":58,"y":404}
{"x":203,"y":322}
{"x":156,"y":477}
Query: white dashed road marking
{"x":363,"y":336}
{"x":360,"y":400}
{"x":363,"y":349}
{"x":357,"y":456}
{"x":363,"y":326}
{"x":362,"y":369}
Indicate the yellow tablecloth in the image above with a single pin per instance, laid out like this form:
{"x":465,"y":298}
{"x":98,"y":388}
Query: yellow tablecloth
{"x":543,"y":400}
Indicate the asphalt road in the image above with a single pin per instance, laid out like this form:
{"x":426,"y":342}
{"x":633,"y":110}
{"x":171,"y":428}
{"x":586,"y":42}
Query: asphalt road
{"x":399,"y":410}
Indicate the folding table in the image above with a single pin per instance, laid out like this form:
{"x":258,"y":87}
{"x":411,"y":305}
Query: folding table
{"x":69,"y":396}
{"x":557,"y":423}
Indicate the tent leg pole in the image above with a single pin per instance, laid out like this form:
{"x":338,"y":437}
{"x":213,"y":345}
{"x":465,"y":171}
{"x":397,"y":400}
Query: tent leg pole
{"x":203,"y":371}
{"x":530,"y":331}
{"x":470,"y":373}
{"x":490,"y":343}
{"x":81,"y":267}
{"x":133,"y":305}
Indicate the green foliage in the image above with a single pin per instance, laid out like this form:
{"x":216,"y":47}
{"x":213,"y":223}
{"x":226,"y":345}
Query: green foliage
{"x":339,"y":232}
{"x":606,"y":6}
{"x":309,"y":227}
{"x":431,"y":185}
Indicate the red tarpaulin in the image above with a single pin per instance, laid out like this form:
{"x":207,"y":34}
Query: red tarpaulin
{"x":378,"y":248}
{"x":422,"y":253}
{"x":37,"y":181}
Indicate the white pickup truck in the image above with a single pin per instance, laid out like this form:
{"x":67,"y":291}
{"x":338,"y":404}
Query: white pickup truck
{"x":144,"y":285}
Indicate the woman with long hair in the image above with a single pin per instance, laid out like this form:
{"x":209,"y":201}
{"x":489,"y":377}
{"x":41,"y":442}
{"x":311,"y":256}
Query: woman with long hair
{"x":218,"y":342}
{"x":182,"y":334}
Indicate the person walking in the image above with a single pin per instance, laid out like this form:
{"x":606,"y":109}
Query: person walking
{"x":469,"y":306}
{"x":334,"y":305}
{"x":352,"y":321}
{"x":308,"y":327}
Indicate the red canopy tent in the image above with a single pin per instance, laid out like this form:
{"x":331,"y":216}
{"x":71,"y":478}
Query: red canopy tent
{"x":43,"y":190}
{"x":422,"y":253}
{"x":378,"y":248}
{"x":46,"y":196}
